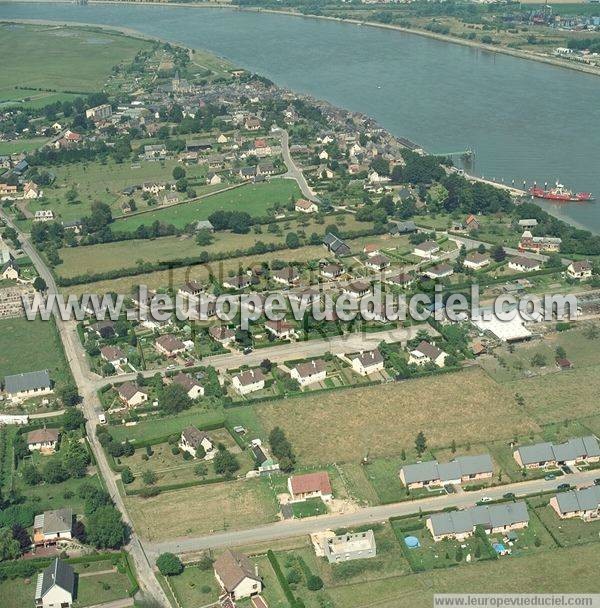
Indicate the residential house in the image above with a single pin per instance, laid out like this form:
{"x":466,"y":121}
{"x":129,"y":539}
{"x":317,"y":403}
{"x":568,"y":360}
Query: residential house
{"x":523,"y":264}
{"x":248,"y":381}
{"x":539,"y":243}
{"x":247,"y":172}
{"x":221,"y":334}
{"x":99,"y":112}
{"x":252,"y":123}
{"x":154,"y":188}
{"x":580,"y":270}
{"x":169,"y":345}
{"x":288,"y":276}
{"x":213,"y":179}
{"x":377,"y":262}
{"x":103,"y":329}
{"x":494,"y":519}
{"x":55,"y":586}
{"x":265,"y":464}
{"x":335,"y":245}
{"x":261,"y":148}
{"x":43,"y":215}
{"x":332,"y":271}
{"x":7,"y":189}
{"x":191,"y":386}
{"x":426,"y":249}
{"x":476,"y":261}
{"x":281,"y":329}
{"x":402,"y":279}
{"x":113,"y":355}
{"x":579,"y":449}
{"x":426,"y":353}
{"x":10,"y":271}
{"x":357,"y":289}
{"x":345,"y":547}
{"x":457,"y":471}
{"x":310,"y":485}
{"x":309,"y":372}
{"x":367,"y":362}
{"x":304,"y":206}
{"x":472,"y":223}
{"x":265,"y":169}
{"x":190,"y":289}
{"x":401,"y":228}
{"x":192,"y":440}
{"x":238,"y":282}
{"x":236,"y":575}
{"x":28,"y":384}
{"x":155,"y":152}
{"x":131,"y":394}
{"x":170,"y":198}
{"x":440,"y":271}
{"x":584,"y":503}
{"x":52,"y":526}
{"x":42,"y":440}
{"x":31,"y":191}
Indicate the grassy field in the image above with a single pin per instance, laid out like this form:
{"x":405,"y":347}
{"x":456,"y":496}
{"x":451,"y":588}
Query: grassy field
{"x":252,"y":198}
{"x":203,"y":509}
{"x":39,"y":347}
{"x":468,"y":406}
{"x":21,"y":145}
{"x":58,"y":58}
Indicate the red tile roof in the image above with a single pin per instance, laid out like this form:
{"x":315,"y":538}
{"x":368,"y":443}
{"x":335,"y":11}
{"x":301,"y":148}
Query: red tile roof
{"x":311,"y":482}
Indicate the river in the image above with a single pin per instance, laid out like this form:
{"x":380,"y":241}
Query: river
{"x":524,"y":120}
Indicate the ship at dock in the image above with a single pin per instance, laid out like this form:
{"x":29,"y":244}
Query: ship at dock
{"x":560,"y":193}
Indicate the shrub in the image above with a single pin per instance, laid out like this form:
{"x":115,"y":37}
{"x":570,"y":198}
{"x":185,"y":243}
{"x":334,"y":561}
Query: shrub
{"x":314,"y":582}
{"x":169,"y":564}
{"x":127,"y":475}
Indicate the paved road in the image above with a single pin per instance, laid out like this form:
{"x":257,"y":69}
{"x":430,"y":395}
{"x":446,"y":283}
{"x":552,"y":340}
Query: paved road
{"x":300,"y":527}
{"x":85,"y":381}
{"x":293,"y":172}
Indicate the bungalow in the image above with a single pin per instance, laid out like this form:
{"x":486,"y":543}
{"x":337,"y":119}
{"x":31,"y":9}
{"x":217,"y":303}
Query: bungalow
{"x":238,"y":282}
{"x":304,"y":206}
{"x":43,"y":215}
{"x":236,"y":575}
{"x":192,"y":440}
{"x":252,"y":123}
{"x":286,"y":276}
{"x":131,"y":394}
{"x":472,"y":223}
{"x":402,"y":279}
{"x":55,"y":586}
{"x":221,"y":334}
{"x":155,"y":151}
{"x":377,"y":262}
{"x":213,"y":179}
{"x":113,"y":355}
{"x":248,"y":381}
{"x":265,"y":169}
{"x":367,"y":362}
{"x":584,"y":503}
{"x":193,"y":388}
{"x":51,"y":526}
{"x":440,"y":271}
{"x":426,"y":353}
{"x":357,"y":289}
{"x":28,"y":384}
{"x":43,"y":440}
{"x":523,"y":264}
{"x":190,"y":289}
{"x":309,"y":372}
{"x":10,"y":271}
{"x":400,"y":228}
{"x":426,"y":249}
{"x":332,"y":271}
{"x":169,"y":345}
{"x":310,"y":485}
{"x":153,"y":187}
{"x":476,"y":261}
{"x":335,"y":245}
{"x":495,"y":519}
{"x":247,"y":172}
{"x":579,"y":449}
{"x":170,"y":198}
{"x":7,"y":189}
{"x":103,"y":329}
{"x":580,"y":270}
{"x":281,"y":329}
{"x":457,"y":471}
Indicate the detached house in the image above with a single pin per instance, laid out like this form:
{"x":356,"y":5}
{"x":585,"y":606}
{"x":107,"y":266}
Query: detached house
{"x":193,"y":388}
{"x":310,"y":372}
{"x":236,"y":575}
{"x":55,"y":586}
{"x":523,"y":264}
{"x":282,"y":329}
{"x":304,"y":206}
{"x":10,"y":271}
{"x":42,"y":440}
{"x":367,"y":362}
{"x":476,"y":261}
{"x":426,"y":353}
{"x":286,"y":276}
{"x":52,"y":526}
{"x":331,"y":271}
{"x":357,"y":289}
{"x":131,"y":394}
{"x":581,"y":270}
{"x":28,"y":384}
{"x":440,"y":271}
{"x":169,"y":345}
{"x":377,"y":262}
{"x":584,"y":504}
{"x":238,"y":282}
{"x":495,"y":519}
{"x":310,"y":485}
{"x":221,"y":334}
{"x":426,"y":249}
{"x":192,"y":439}
{"x":248,"y":381}
{"x":402,"y":279}
{"x":113,"y":355}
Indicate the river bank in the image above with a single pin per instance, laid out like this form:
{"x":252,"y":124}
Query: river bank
{"x":490,"y":48}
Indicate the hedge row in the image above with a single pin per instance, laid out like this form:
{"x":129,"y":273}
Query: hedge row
{"x":285,"y":586}
{"x":178,"y":486}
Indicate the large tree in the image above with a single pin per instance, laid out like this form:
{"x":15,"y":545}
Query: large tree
{"x":169,"y":564}
{"x":105,"y":528}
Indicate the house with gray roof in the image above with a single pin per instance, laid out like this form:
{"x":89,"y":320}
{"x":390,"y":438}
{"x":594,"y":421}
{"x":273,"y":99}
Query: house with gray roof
{"x":55,"y":586}
{"x":28,"y":384}
{"x":459,"y":470}
{"x":335,"y":245}
{"x":426,"y":353}
{"x":494,"y":519}
{"x":578,"y":449}
{"x":51,"y":526}
{"x":584,"y":503}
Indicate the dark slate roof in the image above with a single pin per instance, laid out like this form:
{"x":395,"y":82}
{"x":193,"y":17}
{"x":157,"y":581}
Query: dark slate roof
{"x":573,"y":449}
{"x":57,"y":573}
{"x":27,"y":381}
{"x":587,"y":499}
{"x":447,"y":471}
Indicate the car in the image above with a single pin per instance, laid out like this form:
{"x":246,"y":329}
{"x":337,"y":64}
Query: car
{"x":485,"y":499}
{"x":564,"y":486}
{"x":247,"y":350}
{"x":508,"y":495}
{"x":597,"y":481}
{"x":550,"y":477}
{"x":170,"y":367}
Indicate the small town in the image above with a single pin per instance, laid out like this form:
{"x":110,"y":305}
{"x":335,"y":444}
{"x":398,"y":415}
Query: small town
{"x":291,"y":462}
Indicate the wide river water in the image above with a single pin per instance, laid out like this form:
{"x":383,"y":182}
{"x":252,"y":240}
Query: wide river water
{"x":525,"y":120}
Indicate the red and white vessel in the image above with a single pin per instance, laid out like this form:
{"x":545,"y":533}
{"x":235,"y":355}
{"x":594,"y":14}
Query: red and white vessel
{"x":560,"y":193}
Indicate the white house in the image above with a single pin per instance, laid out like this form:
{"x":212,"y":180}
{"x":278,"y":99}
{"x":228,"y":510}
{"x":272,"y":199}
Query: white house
{"x":28,"y":384}
{"x":427,"y":353}
{"x":581,"y":270}
{"x":42,"y":440}
{"x":248,"y":381}
{"x":193,"y":388}
{"x":131,"y":394}
{"x":55,"y":586}
{"x":113,"y":355}
{"x":476,"y":261}
{"x":304,"y":206}
{"x":191,"y":439}
{"x":236,"y":575}
{"x":51,"y":526}
{"x":523,"y":264}
{"x":367,"y":362}
{"x":426,"y":249}
{"x":310,"y":372}
{"x":310,"y":485}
